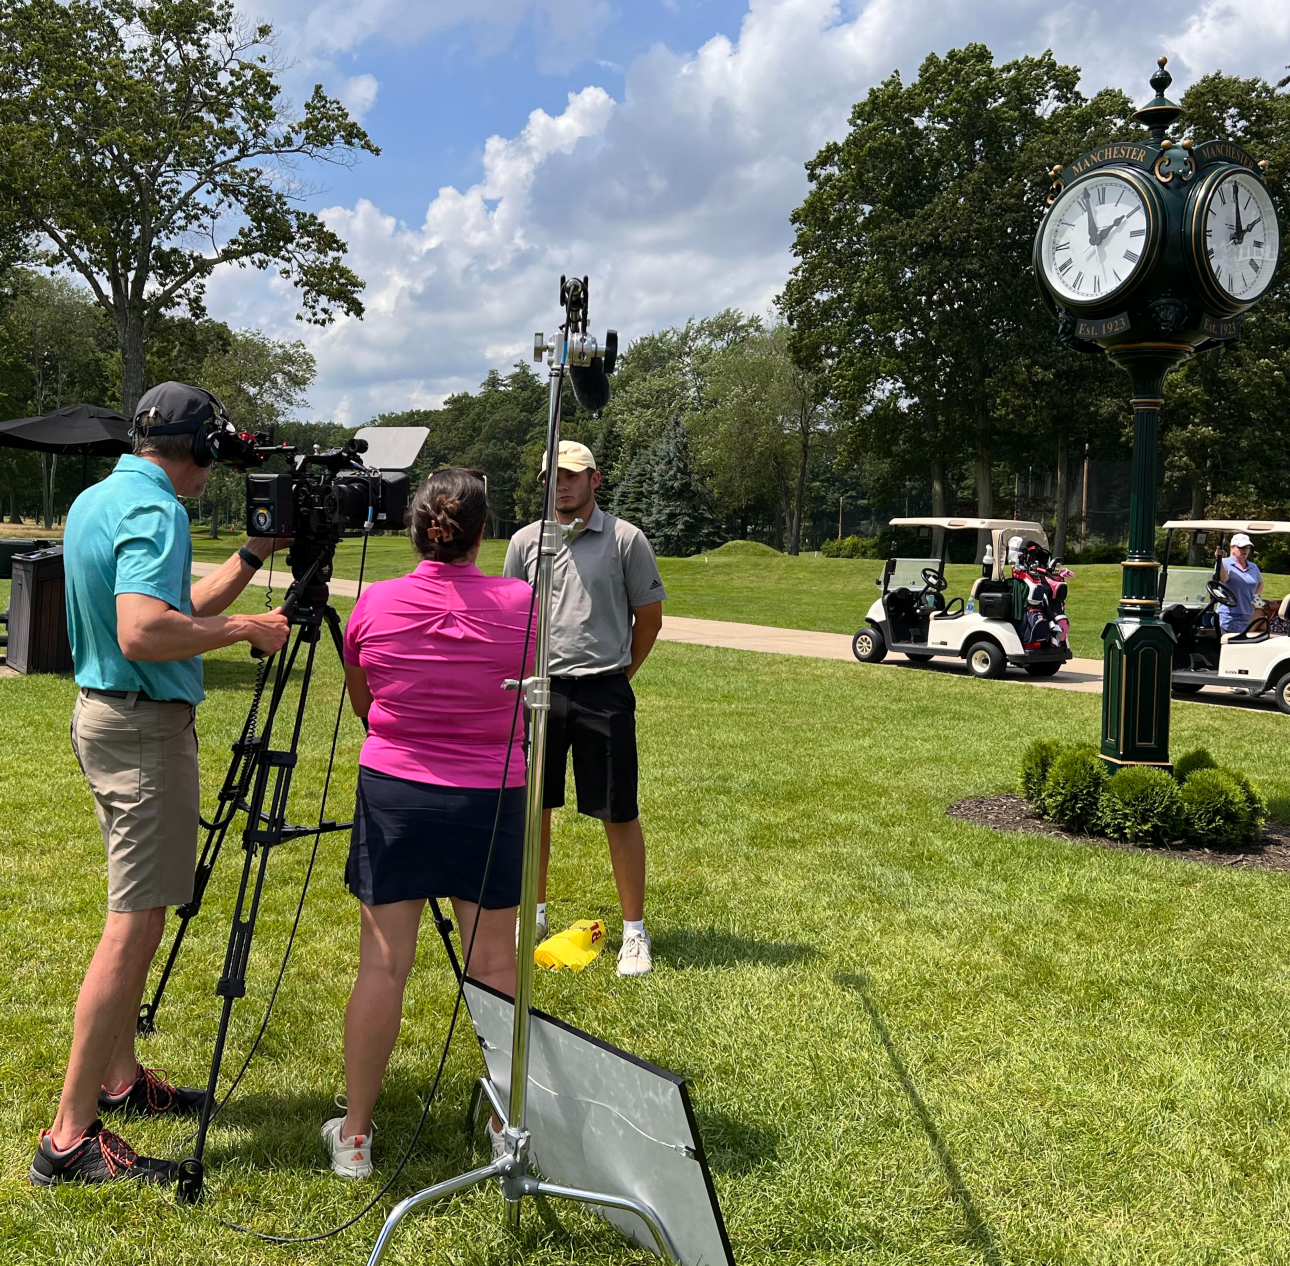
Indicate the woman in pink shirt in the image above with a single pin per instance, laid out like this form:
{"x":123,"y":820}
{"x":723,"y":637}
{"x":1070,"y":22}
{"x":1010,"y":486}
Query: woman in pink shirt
{"x":425,"y":659}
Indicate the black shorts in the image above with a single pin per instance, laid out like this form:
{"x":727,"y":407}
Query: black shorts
{"x":596,"y":717}
{"x":416,"y":840}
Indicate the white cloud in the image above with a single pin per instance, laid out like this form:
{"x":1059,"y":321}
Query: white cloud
{"x":357,"y":94}
{"x":675,"y":199}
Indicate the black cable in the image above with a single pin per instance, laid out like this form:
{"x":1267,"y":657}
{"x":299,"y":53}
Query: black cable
{"x":433,"y":1091}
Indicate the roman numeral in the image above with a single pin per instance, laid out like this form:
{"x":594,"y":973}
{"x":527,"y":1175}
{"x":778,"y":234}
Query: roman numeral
{"x":1097,"y":285}
{"x":1116,"y":275}
{"x":1133,"y":212}
{"x":1132,"y":256}
{"x":1222,"y":195}
{"x":1070,"y":224}
{"x":1119,"y":197}
{"x":1061,"y":246}
{"x":1258,"y":246}
{"x":1065,"y":267}
{"x":1137,"y":232}
{"x":1254,"y":263}
{"x":1101,"y":195}
{"x":1209,"y":232}
{"x":1079,"y":277}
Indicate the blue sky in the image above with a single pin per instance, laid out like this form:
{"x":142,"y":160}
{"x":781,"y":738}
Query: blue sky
{"x":658,"y":146}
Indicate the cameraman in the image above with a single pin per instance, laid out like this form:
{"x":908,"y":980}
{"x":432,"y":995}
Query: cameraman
{"x":138,"y":630}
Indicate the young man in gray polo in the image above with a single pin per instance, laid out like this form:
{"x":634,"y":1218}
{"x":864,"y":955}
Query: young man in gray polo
{"x":138,"y":630}
{"x":607,"y":613}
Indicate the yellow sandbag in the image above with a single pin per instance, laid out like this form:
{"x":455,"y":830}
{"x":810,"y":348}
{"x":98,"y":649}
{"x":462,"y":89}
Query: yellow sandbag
{"x":575,"y":947}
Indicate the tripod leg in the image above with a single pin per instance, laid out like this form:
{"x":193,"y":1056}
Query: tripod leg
{"x":256,"y":841}
{"x":237,"y":778}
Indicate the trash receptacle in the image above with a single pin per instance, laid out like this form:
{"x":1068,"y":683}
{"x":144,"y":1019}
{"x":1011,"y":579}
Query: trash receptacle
{"x":11,"y":545}
{"x":38,"y":640}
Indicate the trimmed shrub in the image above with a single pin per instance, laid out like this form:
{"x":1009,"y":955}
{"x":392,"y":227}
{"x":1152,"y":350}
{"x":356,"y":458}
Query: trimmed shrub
{"x":1187,"y":765}
{"x":1036,"y":761}
{"x":1142,"y":805}
{"x":1258,"y":810}
{"x":1073,"y":789}
{"x":747,"y":549}
{"x":1217,"y":809}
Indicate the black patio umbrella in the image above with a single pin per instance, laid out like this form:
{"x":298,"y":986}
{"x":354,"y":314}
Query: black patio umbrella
{"x":86,"y":429}
{"x":79,"y":428}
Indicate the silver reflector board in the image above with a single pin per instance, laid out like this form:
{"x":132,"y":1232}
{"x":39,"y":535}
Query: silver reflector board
{"x":603,"y":1120}
{"x":391,"y":447}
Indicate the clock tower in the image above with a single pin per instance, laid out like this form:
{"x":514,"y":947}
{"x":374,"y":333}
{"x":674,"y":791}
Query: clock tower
{"x":1150,"y":251}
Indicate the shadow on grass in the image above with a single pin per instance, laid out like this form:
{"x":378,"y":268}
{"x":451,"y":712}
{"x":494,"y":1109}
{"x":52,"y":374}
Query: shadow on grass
{"x":979,"y":1232}
{"x":708,"y":947}
{"x":735,"y":1145}
{"x":230,"y":674}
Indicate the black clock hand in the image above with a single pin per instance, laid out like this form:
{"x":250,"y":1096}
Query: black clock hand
{"x":1103,"y":234}
{"x":1247,"y":230}
{"x":1238,"y":234}
{"x":1092,"y":223}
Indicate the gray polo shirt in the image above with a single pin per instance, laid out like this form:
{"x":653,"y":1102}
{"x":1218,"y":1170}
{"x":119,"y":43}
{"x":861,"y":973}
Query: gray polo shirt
{"x":605,"y":571}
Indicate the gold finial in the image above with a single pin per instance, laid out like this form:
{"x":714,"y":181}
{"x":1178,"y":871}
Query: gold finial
{"x":1162,"y":61}
{"x":1055,"y":171}
{"x":1187,"y":144}
{"x":1263,"y":164}
{"x":1166,"y":144}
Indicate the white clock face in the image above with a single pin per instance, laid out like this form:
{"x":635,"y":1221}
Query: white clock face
{"x":1241,"y":237}
{"x":1095,"y":235}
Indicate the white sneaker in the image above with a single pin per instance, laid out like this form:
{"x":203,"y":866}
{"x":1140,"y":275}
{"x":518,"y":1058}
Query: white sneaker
{"x":634,"y":958}
{"x":543,"y":930}
{"x":352,"y":1157}
{"x":496,"y":1142}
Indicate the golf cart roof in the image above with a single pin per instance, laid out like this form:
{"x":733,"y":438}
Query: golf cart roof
{"x":1253,"y":526}
{"x":1021,"y":526}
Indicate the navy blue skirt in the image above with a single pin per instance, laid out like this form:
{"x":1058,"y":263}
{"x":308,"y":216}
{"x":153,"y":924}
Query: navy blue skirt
{"x":416,"y":840}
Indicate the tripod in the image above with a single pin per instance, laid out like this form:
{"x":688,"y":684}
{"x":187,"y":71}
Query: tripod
{"x":512,"y":1167}
{"x":266,"y":773}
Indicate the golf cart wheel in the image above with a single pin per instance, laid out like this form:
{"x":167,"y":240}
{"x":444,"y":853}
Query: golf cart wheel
{"x":1188,"y":687}
{"x":1281,"y":692}
{"x":986,"y":659}
{"x":868,"y":645}
{"x":919,"y":657}
{"x":1045,"y":668}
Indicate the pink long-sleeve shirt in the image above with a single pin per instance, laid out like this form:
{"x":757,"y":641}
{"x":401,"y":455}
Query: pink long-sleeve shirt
{"x":436,"y":646}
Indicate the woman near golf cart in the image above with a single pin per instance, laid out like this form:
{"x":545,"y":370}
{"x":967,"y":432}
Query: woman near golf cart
{"x":1244,"y":579}
{"x":1005,"y":620}
{"x":1244,"y":654}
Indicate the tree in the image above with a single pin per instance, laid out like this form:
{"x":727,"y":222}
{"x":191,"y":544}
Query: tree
{"x":145,"y":142}
{"x":677,"y":512}
{"x":764,"y":421}
{"x":913,"y":277}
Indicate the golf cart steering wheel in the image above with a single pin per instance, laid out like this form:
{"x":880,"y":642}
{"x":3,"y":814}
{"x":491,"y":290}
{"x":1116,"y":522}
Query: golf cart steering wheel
{"x":1220,"y":593}
{"x":934,"y":580}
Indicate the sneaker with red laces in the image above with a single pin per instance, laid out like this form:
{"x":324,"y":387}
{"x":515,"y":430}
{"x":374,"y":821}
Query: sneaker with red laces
{"x":151,"y":1095}
{"x":98,"y":1156}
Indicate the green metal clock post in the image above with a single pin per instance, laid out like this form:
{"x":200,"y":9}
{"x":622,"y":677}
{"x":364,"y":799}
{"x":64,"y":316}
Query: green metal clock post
{"x":1143,"y":255}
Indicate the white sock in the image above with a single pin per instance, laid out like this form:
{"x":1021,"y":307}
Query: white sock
{"x":633,"y":927}
{"x":541,"y":909}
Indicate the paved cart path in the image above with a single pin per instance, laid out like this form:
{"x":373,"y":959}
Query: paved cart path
{"x":1077,"y":674}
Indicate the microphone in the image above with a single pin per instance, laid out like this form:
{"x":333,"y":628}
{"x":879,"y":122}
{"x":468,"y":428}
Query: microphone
{"x":590,"y":384}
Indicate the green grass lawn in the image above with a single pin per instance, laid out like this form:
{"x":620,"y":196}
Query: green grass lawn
{"x":828,"y":595}
{"x":910,"y":1040}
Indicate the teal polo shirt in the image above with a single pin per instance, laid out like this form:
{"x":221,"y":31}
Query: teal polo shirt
{"x":128,"y":534}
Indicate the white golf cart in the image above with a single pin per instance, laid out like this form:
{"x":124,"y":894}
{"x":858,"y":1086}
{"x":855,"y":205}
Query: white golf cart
{"x":1255,"y":660}
{"x":1016,"y":617}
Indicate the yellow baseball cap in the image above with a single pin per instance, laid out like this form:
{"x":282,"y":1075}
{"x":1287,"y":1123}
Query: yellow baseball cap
{"x":572,"y":456}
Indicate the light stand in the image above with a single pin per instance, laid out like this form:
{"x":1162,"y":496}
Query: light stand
{"x":570,"y":346}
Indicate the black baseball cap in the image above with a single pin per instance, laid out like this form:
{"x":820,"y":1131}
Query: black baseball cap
{"x":175,"y":408}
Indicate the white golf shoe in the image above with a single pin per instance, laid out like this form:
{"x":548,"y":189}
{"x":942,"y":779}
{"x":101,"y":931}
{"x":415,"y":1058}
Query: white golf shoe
{"x":634,"y":958}
{"x":351,"y":1157}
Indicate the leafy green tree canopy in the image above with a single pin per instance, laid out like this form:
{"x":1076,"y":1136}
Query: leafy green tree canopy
{"x":145,"y":144}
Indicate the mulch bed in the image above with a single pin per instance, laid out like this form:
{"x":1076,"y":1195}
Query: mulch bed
{"x":1012,"y":813}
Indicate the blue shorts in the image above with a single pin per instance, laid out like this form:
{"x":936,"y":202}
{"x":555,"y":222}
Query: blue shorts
{"x":416,"y":840}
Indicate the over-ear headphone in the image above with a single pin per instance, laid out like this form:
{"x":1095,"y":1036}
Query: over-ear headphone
{"x":205,"y":447}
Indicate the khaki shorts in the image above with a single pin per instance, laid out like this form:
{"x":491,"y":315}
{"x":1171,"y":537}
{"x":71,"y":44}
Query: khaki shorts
{"x":140,"y":760}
